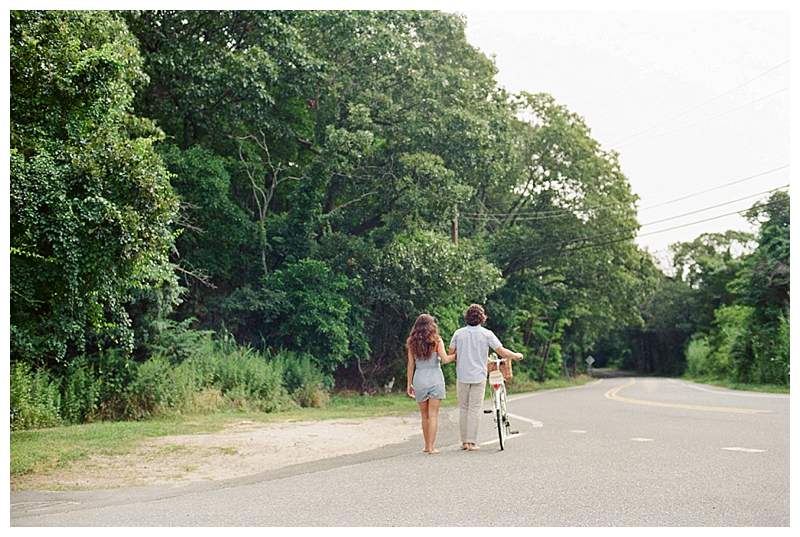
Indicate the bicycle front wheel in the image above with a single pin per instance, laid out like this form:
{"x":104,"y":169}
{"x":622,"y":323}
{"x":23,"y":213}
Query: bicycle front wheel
{"x":501,"y":429}
{"x":504,"y":407}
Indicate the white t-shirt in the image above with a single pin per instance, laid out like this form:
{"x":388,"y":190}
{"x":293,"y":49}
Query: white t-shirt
{"x":472,"y":344}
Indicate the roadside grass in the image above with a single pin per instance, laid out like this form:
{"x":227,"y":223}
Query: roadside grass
{"x":722,"y":383}
{"x":38,"y":451}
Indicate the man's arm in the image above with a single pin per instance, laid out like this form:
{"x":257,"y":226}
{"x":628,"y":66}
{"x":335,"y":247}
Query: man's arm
{"x":508,"y":354}
{"x":503,"y":352}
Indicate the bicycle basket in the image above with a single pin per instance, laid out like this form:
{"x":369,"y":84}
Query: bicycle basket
{"x":495,"y":377}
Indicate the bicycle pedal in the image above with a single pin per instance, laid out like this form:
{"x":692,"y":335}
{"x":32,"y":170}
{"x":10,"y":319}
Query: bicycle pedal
{"x":487,"y":411}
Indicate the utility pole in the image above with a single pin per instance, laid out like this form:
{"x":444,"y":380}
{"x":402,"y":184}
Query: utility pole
{"x":454,"y":226}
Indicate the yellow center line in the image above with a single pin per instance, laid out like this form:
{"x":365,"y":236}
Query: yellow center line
{"x":613,"y":394}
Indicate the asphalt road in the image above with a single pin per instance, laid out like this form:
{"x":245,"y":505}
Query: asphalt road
{"x":615,"y":452}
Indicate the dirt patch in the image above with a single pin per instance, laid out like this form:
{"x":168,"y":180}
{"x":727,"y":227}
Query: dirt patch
{"x":242,"y":449}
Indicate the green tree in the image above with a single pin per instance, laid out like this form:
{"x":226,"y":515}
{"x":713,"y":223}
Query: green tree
{"x":91,"y":203}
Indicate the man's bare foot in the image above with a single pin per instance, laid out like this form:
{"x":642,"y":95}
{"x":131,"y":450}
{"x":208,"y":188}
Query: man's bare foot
{"x":434,"y":451}
{"x":465,"y":446}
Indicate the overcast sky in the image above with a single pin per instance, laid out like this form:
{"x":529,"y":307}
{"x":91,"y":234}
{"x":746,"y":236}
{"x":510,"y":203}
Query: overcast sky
{"x":647,"y":84}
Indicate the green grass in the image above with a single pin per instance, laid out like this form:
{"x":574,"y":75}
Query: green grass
{"x":41,"y":450}
{"x":769,"y":388}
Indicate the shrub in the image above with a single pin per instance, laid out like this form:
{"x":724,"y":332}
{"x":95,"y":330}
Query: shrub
{"x":303,"y":378}
{"x":154,"y":389}
{"x":81,"y":391}
{"x":243,"y":373}
{"x":115,"y":372}
{"x":309,"y":395}
{"x":697,"y":353}
{"x":205,"y":401}
{"x":726,"y":340}
{"x":177,"y":341}
{"x":35,"y":398}
{"x":770,"y":348}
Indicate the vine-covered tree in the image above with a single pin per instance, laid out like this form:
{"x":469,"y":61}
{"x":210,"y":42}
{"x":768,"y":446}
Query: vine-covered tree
{"x":91,"y":202}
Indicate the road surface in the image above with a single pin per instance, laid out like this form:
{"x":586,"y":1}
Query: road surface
{"x":615,"y":452}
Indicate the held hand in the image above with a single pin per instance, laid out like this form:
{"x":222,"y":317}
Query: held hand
{"x":519,"y":356}
{"x":410,"y":391}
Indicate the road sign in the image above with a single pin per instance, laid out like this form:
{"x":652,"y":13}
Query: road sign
{"x":590,"y":361}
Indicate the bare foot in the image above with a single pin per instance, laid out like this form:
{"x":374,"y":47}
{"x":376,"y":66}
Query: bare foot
{"x":425,"y":450}
{"x":434,"y":451}
{"x":465,"y":446}
{"x":474,"y":447}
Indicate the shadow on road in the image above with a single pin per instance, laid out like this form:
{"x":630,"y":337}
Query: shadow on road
{"x":601,"y":373}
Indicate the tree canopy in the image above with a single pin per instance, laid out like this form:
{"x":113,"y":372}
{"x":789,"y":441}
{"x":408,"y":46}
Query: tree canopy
{"x":294,"y":180}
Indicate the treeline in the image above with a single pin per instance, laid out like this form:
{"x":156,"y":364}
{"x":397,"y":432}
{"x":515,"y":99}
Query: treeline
{"x":288,"y":182}
{"x":724,"y":314}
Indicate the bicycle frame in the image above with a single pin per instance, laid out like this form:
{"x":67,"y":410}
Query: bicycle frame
{"x":499,"y":409}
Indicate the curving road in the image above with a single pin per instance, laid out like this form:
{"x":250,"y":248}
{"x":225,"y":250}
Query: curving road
{"x":615,"y":452}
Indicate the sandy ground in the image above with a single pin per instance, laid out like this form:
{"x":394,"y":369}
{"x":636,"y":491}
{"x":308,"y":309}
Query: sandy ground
{"x":245,"y":448}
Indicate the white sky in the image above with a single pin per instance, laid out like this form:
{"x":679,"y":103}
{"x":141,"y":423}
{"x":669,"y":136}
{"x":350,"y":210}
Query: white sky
{"x":628,"y":72}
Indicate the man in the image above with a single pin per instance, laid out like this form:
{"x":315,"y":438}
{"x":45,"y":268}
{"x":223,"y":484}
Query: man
{"x":471,"y":344}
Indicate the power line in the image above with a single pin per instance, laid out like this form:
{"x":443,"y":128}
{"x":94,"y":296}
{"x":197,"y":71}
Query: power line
{"x":699,"y":105}
{"x":713,"y":206}
{"x":639,"y":235}
{"x":555,"y":213}
{"x":715,"y":116}
{"x":736,"y":182}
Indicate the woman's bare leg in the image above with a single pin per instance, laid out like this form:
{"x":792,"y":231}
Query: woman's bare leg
{"x":423,"y":412}
{"x":433,"y":424}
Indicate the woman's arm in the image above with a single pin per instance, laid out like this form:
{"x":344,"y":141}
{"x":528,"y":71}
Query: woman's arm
{"x":410,"y":374}
{"x":446,"y":358}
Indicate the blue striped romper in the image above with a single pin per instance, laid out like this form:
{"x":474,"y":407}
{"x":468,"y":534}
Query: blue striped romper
{"x":428,"y":379}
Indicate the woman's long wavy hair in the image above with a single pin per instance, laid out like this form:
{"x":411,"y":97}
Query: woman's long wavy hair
{"x":423,"y":337}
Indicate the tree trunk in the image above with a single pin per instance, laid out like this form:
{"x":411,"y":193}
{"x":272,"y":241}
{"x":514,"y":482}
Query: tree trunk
{"x":546,"y":352}
{"x":575,"y":357}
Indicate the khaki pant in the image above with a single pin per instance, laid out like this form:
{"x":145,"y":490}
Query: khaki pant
{"x":470,"y":404}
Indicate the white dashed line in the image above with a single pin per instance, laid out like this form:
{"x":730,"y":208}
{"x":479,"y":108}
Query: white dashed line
{"x":640,"y":439}
{"x":496,"y":440}
{"x":535,"y":423}
{"x":744,"y":449}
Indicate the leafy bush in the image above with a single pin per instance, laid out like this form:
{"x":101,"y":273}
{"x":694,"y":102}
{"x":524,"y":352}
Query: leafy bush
{"x":243,"y":373}
{"x":154,"y":389}
{"x":81,"y":389}
{"x":35,"y":398}
{"x":730,"y":326}
{"x":177,"y":341}
{"x":770,"y":348}
{"x":115,"y":372}
{"x":303,"y":379}
{"x":697,"y":353}
{"x":205,"y":401}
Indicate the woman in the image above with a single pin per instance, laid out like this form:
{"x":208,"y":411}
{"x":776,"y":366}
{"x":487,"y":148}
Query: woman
{"x":425,"y":381}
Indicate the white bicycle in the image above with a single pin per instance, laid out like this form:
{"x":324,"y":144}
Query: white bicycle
{"x":499,"y":407}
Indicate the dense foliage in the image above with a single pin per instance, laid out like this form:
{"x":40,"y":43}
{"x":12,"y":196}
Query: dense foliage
{"x":186,"y":186}
{"x":725,"y":314}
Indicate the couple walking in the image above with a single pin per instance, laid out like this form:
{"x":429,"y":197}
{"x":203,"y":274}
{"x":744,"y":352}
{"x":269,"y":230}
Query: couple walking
{"x":469,"y":348}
